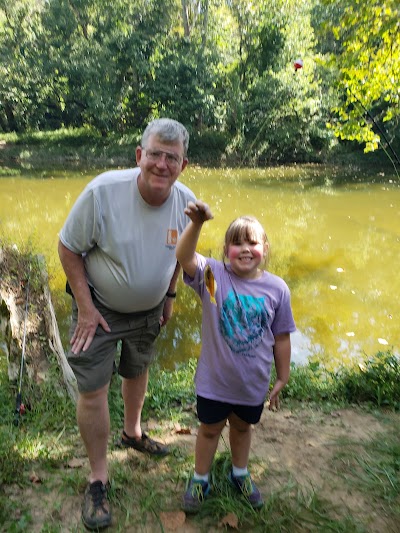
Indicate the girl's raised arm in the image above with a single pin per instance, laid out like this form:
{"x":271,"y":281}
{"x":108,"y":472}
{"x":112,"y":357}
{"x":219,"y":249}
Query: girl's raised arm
{"x":198,"y":213}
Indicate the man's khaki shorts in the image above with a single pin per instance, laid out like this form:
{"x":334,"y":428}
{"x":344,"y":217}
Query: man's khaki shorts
{"x":136,"y":331}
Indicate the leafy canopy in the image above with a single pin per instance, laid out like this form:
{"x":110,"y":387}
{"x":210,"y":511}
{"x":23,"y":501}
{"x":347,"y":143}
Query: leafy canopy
{"x":368,"y":65}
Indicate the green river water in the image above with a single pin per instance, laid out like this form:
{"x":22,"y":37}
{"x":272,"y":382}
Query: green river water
{"x":336,"y":243}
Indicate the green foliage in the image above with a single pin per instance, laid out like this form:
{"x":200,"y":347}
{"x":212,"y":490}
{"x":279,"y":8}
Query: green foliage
{"x":280,"y":113}
{"x":310,"y":383}
{"x":225,"y":69}
{"x":169,"y":390}
{"x":375,"y":382}
{"x":184,"y":83}
{"x":368,"y":67}
{"x":208,"y":146}
{"x":23,"y":85}
{"x":73,"y":64}
{"x":68,"y":137}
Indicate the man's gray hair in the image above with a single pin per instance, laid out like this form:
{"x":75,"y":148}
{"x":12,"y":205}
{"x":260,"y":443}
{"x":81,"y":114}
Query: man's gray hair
{"x":167,"y":130}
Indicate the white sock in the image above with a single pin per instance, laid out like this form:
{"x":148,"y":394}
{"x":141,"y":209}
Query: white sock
{"x":239,"y":471}
{"x":199,"y":477}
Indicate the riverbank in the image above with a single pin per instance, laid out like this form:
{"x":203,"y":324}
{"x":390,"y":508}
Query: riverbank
{"x":87,"y":148}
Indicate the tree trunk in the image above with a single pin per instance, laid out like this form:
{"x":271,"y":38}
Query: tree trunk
{"x":205,"y":25}
{"x":11,"y":120}
{"x":185,"y":17}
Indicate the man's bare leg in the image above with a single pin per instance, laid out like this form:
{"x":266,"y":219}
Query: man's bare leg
{"x":133,"y":393}
{"x":94,"y":426}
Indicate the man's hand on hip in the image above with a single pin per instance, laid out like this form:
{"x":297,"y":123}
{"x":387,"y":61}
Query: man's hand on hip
{"x":85,"y":330}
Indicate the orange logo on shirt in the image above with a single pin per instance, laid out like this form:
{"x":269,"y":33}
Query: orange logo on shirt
{"x":172,"y":237}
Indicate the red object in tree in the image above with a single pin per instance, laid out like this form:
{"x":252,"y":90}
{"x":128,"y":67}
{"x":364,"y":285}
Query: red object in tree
{"x":298,"y":64}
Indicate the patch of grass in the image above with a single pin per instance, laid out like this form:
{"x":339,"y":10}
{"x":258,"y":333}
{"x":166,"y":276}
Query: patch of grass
{"x":20,"y":523}
{"x":11,"y":462}
{"x":291,"y":508}
{"x":142,"y":487}
{"x":376,"y":382}
{"x":375,"y":469}
{"x":172,"y":390}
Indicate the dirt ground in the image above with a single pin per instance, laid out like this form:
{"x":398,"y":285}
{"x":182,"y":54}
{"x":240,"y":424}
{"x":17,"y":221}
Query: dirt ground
{"x":300,"y":445}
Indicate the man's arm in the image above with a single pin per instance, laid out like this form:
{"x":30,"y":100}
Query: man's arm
{"x":174,"y":279}
{"x":282,"y":352}
{"x":88,"y":316}
{"x":75,"y":271}
{"x":169,"y":302}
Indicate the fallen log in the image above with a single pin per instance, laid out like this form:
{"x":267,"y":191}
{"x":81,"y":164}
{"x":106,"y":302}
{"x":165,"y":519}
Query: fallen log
{"x":42,"y":333}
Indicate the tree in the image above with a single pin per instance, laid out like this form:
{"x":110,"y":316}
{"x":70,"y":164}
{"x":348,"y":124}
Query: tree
{"x":78,"y":62}
{"x":367,"y":62}
{"x":279,"y":115}
{"x":23,"y":86}
{"x":103,"y":49}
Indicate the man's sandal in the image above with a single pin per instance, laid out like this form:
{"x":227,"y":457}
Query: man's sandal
{"x":145,"y":445}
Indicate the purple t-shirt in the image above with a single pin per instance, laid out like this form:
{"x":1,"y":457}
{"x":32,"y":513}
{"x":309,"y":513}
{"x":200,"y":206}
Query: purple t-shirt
{"x":240,"y":320}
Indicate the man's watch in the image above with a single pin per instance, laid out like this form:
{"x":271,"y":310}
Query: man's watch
{"x":171,"y":294}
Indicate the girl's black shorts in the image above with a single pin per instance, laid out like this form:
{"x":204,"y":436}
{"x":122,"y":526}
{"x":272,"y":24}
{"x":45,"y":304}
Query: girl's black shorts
{"x":212,"y":411}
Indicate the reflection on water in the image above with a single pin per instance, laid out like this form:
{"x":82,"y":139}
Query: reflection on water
{"x":336,"y":244}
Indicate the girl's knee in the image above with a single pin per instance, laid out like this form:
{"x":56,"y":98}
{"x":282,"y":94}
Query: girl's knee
{"x":210,"y":431}
{"x":239,"y":425}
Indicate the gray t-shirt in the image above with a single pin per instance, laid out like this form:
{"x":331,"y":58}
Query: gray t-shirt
{"x":128,"y":245}
{"x":241,"y":318}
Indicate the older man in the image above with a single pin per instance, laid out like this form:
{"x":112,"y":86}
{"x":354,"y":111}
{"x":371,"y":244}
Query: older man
{"x":117,"y":248}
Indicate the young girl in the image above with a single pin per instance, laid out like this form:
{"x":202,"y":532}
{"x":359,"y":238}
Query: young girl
{"x":247,"y":321}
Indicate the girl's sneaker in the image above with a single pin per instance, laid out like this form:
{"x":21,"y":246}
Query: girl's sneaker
{"x":248,"y":488}
{"x":194,"y":495}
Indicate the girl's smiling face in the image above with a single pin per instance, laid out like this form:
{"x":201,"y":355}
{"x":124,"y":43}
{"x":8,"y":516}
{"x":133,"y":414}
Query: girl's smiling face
{"x":245,"y":258}
{"x":246,"y":246}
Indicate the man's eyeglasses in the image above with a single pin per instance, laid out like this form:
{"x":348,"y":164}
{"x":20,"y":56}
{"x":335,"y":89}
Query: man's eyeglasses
{"x":173,"y":160}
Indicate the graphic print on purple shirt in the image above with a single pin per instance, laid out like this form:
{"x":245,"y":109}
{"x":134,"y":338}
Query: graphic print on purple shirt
{"x":242,"y":322}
